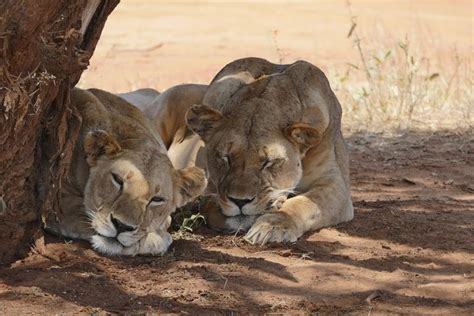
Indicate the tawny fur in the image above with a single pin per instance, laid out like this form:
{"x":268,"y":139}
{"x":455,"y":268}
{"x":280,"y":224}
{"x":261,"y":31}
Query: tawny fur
{"x":273,"y":138}
{"x":120,"y":170}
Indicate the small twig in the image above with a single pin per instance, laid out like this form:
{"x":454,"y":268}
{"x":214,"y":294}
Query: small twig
{"x":306,"y":256}
{"x":357,"y":40}
{"x":235,"y":235}
{"x":266,"y":251}
{"x":371,"y":297}
{"x":280,"y":54}
{"x":223,"y":278}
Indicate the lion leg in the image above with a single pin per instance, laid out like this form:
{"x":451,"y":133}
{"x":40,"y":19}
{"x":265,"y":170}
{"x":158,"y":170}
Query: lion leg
{"x":323,"y":206}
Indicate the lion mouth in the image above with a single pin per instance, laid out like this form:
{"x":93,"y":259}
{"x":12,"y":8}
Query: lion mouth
{"x":115,"y":239}
{"x":231,"y":224}
{"x":111,"y":245}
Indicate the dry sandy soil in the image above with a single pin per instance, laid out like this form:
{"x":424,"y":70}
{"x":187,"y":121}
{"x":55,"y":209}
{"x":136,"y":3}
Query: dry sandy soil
{"x":410,"y":247}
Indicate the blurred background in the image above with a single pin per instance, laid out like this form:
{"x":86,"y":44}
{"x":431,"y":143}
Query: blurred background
{"x":393,"y":64}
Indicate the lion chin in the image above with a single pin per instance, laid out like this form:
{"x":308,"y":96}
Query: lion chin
{"x":151,"y":244}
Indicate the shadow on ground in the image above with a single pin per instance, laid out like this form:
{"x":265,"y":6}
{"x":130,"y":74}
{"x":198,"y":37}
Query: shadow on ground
{"x":409,"y":249}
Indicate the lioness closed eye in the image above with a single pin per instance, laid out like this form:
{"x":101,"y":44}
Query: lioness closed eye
{"x":121,"y":187}
{"x":276,"y":158}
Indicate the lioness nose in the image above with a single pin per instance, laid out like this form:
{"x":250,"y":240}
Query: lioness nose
{"x":241,"y":202}
{"x":120,"y":227}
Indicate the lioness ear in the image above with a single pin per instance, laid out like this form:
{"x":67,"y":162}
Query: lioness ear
{"x":303,"y":135}
{"x":202,"y":119}
{"x":98,"y":143}
{"x":190,"y":183}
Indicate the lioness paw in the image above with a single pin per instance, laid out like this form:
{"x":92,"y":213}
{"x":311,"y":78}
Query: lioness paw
{"x":273,"y":227}
{"x":276,"y":205}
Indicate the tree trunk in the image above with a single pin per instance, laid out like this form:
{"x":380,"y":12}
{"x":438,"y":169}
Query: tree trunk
{"x":45,"y":45}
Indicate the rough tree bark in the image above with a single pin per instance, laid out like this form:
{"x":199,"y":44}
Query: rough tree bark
{"x":45,"y":45}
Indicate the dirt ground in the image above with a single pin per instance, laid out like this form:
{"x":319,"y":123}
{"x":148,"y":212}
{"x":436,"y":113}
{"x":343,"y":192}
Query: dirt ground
{"x":410,"y":247}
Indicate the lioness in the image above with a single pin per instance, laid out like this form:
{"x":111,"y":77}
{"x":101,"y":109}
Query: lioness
{"x":121,"y":187}
{"x":274,"y":151}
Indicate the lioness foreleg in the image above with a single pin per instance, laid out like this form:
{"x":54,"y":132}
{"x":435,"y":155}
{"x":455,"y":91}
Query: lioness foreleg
{"x":324,"y":205}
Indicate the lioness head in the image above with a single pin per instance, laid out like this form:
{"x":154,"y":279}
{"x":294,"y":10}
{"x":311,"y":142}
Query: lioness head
{"x":130,"y":194}
{"x":254,"y":158}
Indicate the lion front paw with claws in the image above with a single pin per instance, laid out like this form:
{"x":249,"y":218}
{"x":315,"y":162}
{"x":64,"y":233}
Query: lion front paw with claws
{"x":273,"y":227}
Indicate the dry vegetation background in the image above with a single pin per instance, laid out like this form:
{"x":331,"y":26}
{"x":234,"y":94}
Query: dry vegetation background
{"x":393,"y":64}
{"x":403,"y":73}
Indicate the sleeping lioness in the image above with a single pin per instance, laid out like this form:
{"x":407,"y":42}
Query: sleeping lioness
{"x":121,"y":187}
{"x":274,"y":151}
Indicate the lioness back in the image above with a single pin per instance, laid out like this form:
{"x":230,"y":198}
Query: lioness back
{"x":167,"y":111}
{"x":140,"y":98}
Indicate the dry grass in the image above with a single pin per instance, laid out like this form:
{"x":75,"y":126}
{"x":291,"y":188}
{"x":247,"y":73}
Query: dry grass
{"x":400,"y":84}
{"x":386,"y":83}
